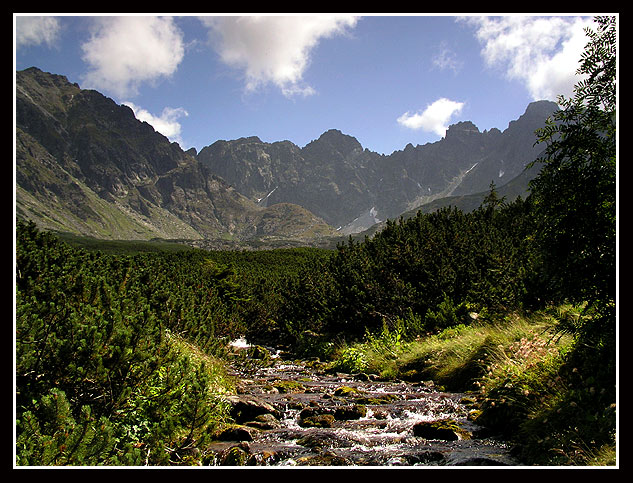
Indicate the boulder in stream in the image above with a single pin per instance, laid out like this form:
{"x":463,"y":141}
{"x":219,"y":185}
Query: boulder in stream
{"x":235,"y":432}
{"x":324,"y":459}
{"x":346,"y":413}
{"x":233,"y":456}
{"x":246,"y":408}
{"x":264,"y":421}
{"x":317,"y":421}
{"x":444,"y":429}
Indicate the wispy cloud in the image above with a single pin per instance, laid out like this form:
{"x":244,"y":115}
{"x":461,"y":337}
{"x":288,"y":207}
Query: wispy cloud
{"x":434,"y":118}
{"x":273,"y":49}
{"x":446,"y":59}
{"x":124,"y":52}
{"x":541,"y":52}
{"x":35,"y":30}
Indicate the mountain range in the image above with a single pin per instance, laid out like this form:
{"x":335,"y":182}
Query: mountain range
{"x":86,"y":165}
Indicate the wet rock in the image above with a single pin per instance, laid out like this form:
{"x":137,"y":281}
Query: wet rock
{"x":234,"y":433}
{"x":347,"y":413}
{"x":247,"y":408}
{"x":325,"y":459}
{"x":317,"y":421}
{"x":309,"y":412}
{"x":289,"y":387}
{"x":427,"y":458}
{"x":322,"y":440}
{"x":347,"y":391}
{"x":234,"y":456}
{"x":397,"y":461}
{"x":380,"y":414}
{"x":264,"y":458}
{"x":264,"y":421}
{"x":315,"y":417}
{"x":473,"y":414}
{"x":444,"y":429}
{"x":377,"y":400}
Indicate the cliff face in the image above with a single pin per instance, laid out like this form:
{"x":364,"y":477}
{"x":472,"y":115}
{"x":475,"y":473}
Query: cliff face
{"x":87,"y":165}
{"x":338,"y":180}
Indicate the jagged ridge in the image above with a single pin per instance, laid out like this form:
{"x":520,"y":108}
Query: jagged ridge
{"x":338,"y":180}
{"x":85,"y":164}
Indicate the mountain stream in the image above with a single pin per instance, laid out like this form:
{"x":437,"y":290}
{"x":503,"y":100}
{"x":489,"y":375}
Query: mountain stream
{"x":297,"y":414}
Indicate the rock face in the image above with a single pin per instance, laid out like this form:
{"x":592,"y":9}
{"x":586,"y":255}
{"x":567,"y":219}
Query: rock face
{"x":85,"y":164}
{"x":351,"y":187}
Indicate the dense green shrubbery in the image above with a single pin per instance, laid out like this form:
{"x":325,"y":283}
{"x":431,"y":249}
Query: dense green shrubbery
{"x":114,"y":351}
{"x":437,"y":266}
{"x":101,"y":377}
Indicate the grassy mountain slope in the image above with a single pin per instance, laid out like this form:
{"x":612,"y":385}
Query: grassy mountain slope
{"x":86,"y":165}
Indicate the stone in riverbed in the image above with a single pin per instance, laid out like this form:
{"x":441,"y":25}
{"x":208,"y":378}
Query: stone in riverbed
{"x":313,"y":417}
{"x":323,"y":459}
{"x":234,"y":456}
{"x":444,"y":429}
{"x":247,"y":408}
{"x":289,"y":387}
{"x":235,"y":433}
{"x":264,"y":421}
{"x":317,"y":421}
{"x":347,"y":413}
{"x":347,"y":391}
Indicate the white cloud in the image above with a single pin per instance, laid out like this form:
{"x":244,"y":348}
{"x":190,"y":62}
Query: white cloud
{"x":273,"y":49}
{"x":167,"y":123}
{"x":541,"y":52}
{"x":434,"y":118}
{"x":445,"y":58}
{"x":126,"y":51}
{"x":36,"y":30}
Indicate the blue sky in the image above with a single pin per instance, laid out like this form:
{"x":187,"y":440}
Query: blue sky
{"x":387,"y":80}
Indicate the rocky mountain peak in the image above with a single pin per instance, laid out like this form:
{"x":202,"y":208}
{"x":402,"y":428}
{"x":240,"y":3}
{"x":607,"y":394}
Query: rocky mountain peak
{"x":540,"y":108}
{"x":534,"y":115}
{"x":334,"y":138}
{"x":249,"y":140}
{"x":462,"y":128}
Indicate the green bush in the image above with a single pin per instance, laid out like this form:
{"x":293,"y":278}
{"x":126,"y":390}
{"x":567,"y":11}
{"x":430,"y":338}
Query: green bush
{"x":351,"y":360}
{"x":99,"y":377}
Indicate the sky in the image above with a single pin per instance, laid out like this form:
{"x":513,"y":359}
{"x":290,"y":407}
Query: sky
{"x":388,"y":80}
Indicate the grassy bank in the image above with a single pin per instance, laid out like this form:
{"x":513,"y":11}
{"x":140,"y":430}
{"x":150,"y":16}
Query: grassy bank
{"x":517,"y":369}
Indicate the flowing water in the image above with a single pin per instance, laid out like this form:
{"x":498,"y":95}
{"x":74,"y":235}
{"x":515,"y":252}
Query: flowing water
{"x":367,"y":423}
